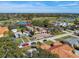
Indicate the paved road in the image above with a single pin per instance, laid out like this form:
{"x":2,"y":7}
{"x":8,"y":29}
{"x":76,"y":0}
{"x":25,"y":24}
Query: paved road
{"x":72,"y":33}
{"x":55,"y":37}
{"x":52,"y":38}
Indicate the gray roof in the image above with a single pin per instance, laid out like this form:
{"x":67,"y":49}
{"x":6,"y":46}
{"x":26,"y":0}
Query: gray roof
{"x":72,"y":41}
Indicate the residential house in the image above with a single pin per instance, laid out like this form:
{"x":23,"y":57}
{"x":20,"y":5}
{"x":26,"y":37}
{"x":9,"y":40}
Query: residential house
{"x":19,"y":34}
{"x":62,"y":50}
{"x":3,"y":31}
{"x":64,"y":24}
{"x":41,"y":34}
{"x":71,"y":41}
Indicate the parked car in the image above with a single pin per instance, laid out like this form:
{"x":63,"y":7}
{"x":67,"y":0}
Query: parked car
{"x":25,"y":44}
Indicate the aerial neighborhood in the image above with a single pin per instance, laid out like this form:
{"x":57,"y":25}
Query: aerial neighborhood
{"x":39,"y":37}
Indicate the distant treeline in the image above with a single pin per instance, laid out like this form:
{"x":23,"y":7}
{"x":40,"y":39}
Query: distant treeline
{"x":39,"y":14}
{"x":7,"y":16}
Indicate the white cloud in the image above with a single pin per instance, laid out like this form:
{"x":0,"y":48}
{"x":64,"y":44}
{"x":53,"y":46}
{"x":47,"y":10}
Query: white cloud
{"x":34,"y":7}
{"x":37,"y":5}
{"x":69,"y":4}
{"x":8,"y":4}
{"x":26,"y":7}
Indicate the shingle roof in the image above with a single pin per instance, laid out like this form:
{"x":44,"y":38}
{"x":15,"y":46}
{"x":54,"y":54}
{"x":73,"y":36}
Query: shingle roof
{"x":72,"y":41}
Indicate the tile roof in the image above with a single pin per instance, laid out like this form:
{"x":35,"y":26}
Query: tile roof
{"x":64,"y":50}
{"x":3,"y":30}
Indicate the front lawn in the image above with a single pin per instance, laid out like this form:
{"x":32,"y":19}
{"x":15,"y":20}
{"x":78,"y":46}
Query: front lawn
{"x":18,"y":41}
{"x":64,"y":38}
{"x":26,"y":39}
{"x":48,"y":42}
{"x":57,"y":32}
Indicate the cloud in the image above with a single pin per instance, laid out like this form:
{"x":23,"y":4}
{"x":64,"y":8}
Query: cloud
{"x":31,"y":5}
{"x":69,"y":4}
{"x":38,"y":7}
{"x":25,"y":7}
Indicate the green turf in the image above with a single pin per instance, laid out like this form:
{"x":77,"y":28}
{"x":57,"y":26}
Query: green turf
{"x":18,"y":41}
{"x":49,"y":42}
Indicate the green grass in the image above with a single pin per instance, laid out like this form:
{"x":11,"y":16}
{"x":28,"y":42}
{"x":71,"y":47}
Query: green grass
{"x":20,"y":28}
{"x":49,"y":42}
{"x":63,"y":38}
{"x":26,"y":39}
{"x":57,"y":33}
{"x":77,"y":28}
{"x":26,"y":48}
{"x":18,"y":41}
{"x":69,"y":30}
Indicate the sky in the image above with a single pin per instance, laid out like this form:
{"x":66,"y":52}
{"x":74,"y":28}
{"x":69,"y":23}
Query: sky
{"x":39,"y":6}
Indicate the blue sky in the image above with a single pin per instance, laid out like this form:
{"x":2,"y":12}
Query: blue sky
{"x":39,"y":7}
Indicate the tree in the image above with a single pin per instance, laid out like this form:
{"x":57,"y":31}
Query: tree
{"x":43,"y":54}
{"x":9,"y":48}
{"x":44,"y":23}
